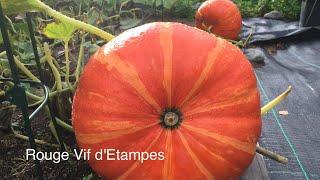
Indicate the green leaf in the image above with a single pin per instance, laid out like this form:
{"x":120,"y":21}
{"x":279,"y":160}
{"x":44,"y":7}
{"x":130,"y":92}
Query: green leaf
{"x":167,"y":4}
{"x":21,"y":28}
{"x":60,"y":30}
{"x":129,"y":23}
{"x":93,"y":16}
{"x":146,"y":2}
{"x":88,"y":177}
{"x":19,"y":6}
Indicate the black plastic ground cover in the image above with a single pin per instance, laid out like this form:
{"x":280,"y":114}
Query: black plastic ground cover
{"x":296,"y":135}
{"x":310,"y":13}
{"x":267,"y":29}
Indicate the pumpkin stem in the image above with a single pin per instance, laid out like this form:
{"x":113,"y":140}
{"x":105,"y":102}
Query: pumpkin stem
{"x":171,"y":118}
{"x":271,"y":155}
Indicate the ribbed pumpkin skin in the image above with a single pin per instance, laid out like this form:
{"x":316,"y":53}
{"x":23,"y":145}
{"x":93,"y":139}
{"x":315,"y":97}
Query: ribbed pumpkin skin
{"x":132,"y":79}
{"x":224,"y":17}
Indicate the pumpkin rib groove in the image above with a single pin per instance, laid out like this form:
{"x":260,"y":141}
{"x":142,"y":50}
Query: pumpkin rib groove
{"x":234,"y":101}
{"x":131,"y":76}
{"x":212,"y":56}
{"x":193,"y":156}
{"x":167,"y":47}
{"x":167,"y":172}
{"x":221,"y":158}
{"x":240,"y":145}
{"x":137,"y":162}
{"x":94,"y":138}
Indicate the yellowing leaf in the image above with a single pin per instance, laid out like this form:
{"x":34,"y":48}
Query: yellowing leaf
{"x":59,"y":30}
{"x":19,"y":6}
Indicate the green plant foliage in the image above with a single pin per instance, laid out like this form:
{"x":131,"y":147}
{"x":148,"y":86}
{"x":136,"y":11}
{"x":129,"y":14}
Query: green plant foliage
{"x":88,"y":177}
{"x":18,"y":6}
{"x":93,"y":16}
{"x":247,"y":8}
{"x":128,"y":23}
{"x":250,"y":8}
{"x":290,"y":8}
{"x":59,"y":31}
{"x":24,"y":49}
{"x":167,"y":4}
{"x":186,"y":8}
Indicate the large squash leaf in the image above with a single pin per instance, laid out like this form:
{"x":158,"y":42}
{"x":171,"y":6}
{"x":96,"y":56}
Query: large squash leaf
{"x":59,"y":30}
{"x":19,"y":6}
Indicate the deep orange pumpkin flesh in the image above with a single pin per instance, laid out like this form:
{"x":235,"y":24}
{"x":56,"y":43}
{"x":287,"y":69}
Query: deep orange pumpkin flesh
{"x":220,"y":17}
{"x":130,"y":84}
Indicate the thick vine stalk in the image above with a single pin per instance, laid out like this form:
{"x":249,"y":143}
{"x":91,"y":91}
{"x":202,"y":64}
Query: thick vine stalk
{"x":76,"y":23}
{"x":25,"y":70}
{"x":54,"y":69}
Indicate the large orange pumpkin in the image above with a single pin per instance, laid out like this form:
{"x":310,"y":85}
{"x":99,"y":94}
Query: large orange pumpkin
{"x":221,"y":17}
{"x":171,"y":88}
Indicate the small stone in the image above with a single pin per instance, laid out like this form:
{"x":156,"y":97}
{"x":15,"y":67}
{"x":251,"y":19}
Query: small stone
{"x":274,"y":15}
{"x":255,"y":55}
{"x":283,"y":112}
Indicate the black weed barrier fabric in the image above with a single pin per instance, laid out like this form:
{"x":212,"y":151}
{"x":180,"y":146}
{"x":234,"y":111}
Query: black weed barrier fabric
{"x":267,"y":29}
{"x":297,"y":63}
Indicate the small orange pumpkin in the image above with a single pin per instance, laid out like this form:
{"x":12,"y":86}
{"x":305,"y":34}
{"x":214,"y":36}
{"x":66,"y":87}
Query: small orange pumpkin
{"x":171,"y":88}
{"x":220,"y":17}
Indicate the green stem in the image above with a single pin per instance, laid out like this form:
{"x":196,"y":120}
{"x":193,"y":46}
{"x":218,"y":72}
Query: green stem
{"x":275,"y":101}
{"x":26,"y":71}
{"x":52,"y":94}
{"x":29,"y":94}
{"x":3,"y":53}
{"x":23,"y":137}
{"x":79,"y":63}
{"x":33,"y":96}
{"x":76,"y":23}
{"x":54,"y":70}
{"x":66,"y":52}
{"x":247,"y":39}
{"x":64,"y":125}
